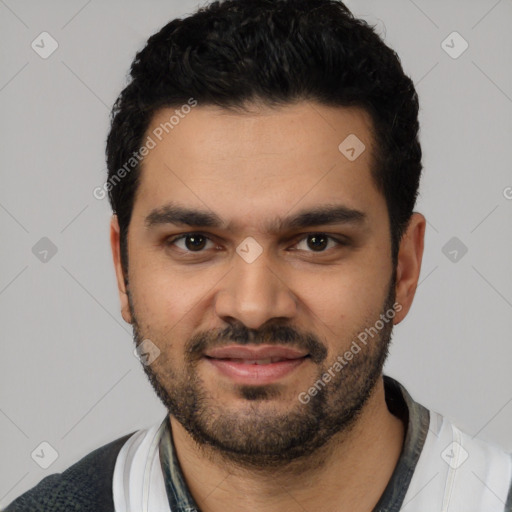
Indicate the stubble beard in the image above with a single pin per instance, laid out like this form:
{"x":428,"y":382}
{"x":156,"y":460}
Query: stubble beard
{"x":262,"y":436}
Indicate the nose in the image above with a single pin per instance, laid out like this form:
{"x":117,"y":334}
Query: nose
{"x":254,"y":293}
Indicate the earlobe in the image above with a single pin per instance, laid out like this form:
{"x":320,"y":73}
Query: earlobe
{"x":409,"y":264}
{"x":122,"y":283}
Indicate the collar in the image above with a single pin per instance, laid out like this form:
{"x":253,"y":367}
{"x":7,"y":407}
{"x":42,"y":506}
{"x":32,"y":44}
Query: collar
{"x":415,"y":417}
{"x":180,"y":499}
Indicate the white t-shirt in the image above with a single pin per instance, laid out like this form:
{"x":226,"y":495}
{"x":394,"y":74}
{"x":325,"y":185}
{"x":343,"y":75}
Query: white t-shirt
{"x":441,"y":469}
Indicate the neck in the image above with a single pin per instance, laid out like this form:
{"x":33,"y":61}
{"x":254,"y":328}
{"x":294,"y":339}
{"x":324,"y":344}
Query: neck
{"x":349,"y":473}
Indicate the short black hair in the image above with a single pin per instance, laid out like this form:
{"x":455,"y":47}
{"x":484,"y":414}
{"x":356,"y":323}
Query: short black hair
{"x":234,"y":53}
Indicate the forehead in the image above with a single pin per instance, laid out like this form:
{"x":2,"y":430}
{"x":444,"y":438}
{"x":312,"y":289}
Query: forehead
{"x":261,"y":162}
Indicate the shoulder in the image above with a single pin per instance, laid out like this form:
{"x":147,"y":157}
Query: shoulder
{"x":462,"y":472}
{"x":85,"y":486}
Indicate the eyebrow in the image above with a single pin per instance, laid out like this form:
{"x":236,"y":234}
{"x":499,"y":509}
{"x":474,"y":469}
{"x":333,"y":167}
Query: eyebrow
{"x":172,"y":213}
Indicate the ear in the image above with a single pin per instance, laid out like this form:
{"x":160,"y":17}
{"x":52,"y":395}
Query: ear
{"x":121,"y":281}
{"x":410,"y":256}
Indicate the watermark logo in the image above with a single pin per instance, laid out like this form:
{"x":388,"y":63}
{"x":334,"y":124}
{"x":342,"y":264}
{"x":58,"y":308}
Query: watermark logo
{"x":454,"y":249}
{"x":44,"y":250}
{"x":137,"y":156}
{"x":146,"y":352}
{"x":454,"y":45}
{"x":249,"y":250}
{"x":352,"y":147}
{"x":44,"y":455}
{"x":44,"y":45}
{"x":454,"y":455}
{"x":354,"y":349}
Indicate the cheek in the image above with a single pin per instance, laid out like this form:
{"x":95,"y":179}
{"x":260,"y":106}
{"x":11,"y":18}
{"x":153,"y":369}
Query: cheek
{"x":344,"y":301}
{"x":159,"y":297}
{"x":165,"y":299}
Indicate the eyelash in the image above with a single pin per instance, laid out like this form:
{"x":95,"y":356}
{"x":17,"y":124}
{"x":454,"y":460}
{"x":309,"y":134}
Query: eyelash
{"x":171,"y":241}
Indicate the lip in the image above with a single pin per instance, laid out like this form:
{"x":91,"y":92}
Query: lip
{"x":255,"y":352}
{"x":237,"y":362}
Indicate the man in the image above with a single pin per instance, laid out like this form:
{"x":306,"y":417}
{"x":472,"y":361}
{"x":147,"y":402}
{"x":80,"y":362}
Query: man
{"x":264,"y":165}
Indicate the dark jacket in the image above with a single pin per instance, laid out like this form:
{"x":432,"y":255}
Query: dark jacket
{"x":85,"y":486}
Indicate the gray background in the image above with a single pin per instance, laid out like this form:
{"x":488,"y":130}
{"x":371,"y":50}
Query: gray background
{"x":67,"y":372}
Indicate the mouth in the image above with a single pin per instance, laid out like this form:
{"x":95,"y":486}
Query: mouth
{"x":255,"y":365}
{"x":269,"y":360}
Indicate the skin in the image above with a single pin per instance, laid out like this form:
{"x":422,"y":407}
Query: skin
{"x":251,"y":168}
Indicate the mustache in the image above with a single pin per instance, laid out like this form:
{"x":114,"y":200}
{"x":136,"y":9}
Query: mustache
{"x":270,"y":335}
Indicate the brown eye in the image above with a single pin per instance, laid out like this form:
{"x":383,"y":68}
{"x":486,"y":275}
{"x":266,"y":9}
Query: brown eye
{"x":195,"y":242}
{"x":318,"y":241}
{"x":190,"y":242}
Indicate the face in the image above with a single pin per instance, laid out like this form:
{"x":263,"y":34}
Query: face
{"x":259,"y":257}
